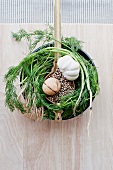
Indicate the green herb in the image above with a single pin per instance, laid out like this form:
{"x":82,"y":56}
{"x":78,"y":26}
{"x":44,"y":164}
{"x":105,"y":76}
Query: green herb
{"x":32,"y":70}
{"x":33,"y":38}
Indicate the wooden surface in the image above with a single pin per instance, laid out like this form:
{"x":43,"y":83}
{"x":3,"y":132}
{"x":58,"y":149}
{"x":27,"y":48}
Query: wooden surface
{"x":26,"y":145}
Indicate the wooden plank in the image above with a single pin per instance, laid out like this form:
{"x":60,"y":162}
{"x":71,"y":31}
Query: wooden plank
{"x":26,"y":145}
{"x":11,"y":124}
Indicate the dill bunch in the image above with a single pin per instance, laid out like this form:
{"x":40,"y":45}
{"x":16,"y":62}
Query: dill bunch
{"x":33,"y":69}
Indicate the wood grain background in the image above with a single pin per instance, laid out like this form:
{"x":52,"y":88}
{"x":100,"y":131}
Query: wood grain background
{"x":28,"y":145}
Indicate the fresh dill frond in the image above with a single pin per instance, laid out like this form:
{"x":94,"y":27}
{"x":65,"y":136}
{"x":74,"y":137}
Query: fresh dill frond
{"x":33,"y":69}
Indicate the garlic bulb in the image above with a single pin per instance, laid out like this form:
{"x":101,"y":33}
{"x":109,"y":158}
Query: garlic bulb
{"x":69,"y":67}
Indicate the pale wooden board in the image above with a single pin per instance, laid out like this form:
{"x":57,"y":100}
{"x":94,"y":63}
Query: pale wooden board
{"x":26,"y":145}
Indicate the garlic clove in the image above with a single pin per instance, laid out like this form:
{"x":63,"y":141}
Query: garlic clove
{"x":74,"y":65}
{"x":64,"y":62}
{"x":71,"y":78}
{"x":72,"y":73}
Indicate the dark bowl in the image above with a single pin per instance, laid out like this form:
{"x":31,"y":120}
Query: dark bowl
{"x":82,"y":53}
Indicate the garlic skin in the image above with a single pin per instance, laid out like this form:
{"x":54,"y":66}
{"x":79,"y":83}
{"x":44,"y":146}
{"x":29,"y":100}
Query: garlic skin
{"x":69,"y":67}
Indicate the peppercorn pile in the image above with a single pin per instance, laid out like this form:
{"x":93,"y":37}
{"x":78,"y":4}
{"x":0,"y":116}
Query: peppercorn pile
{"x":66,"y":87}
